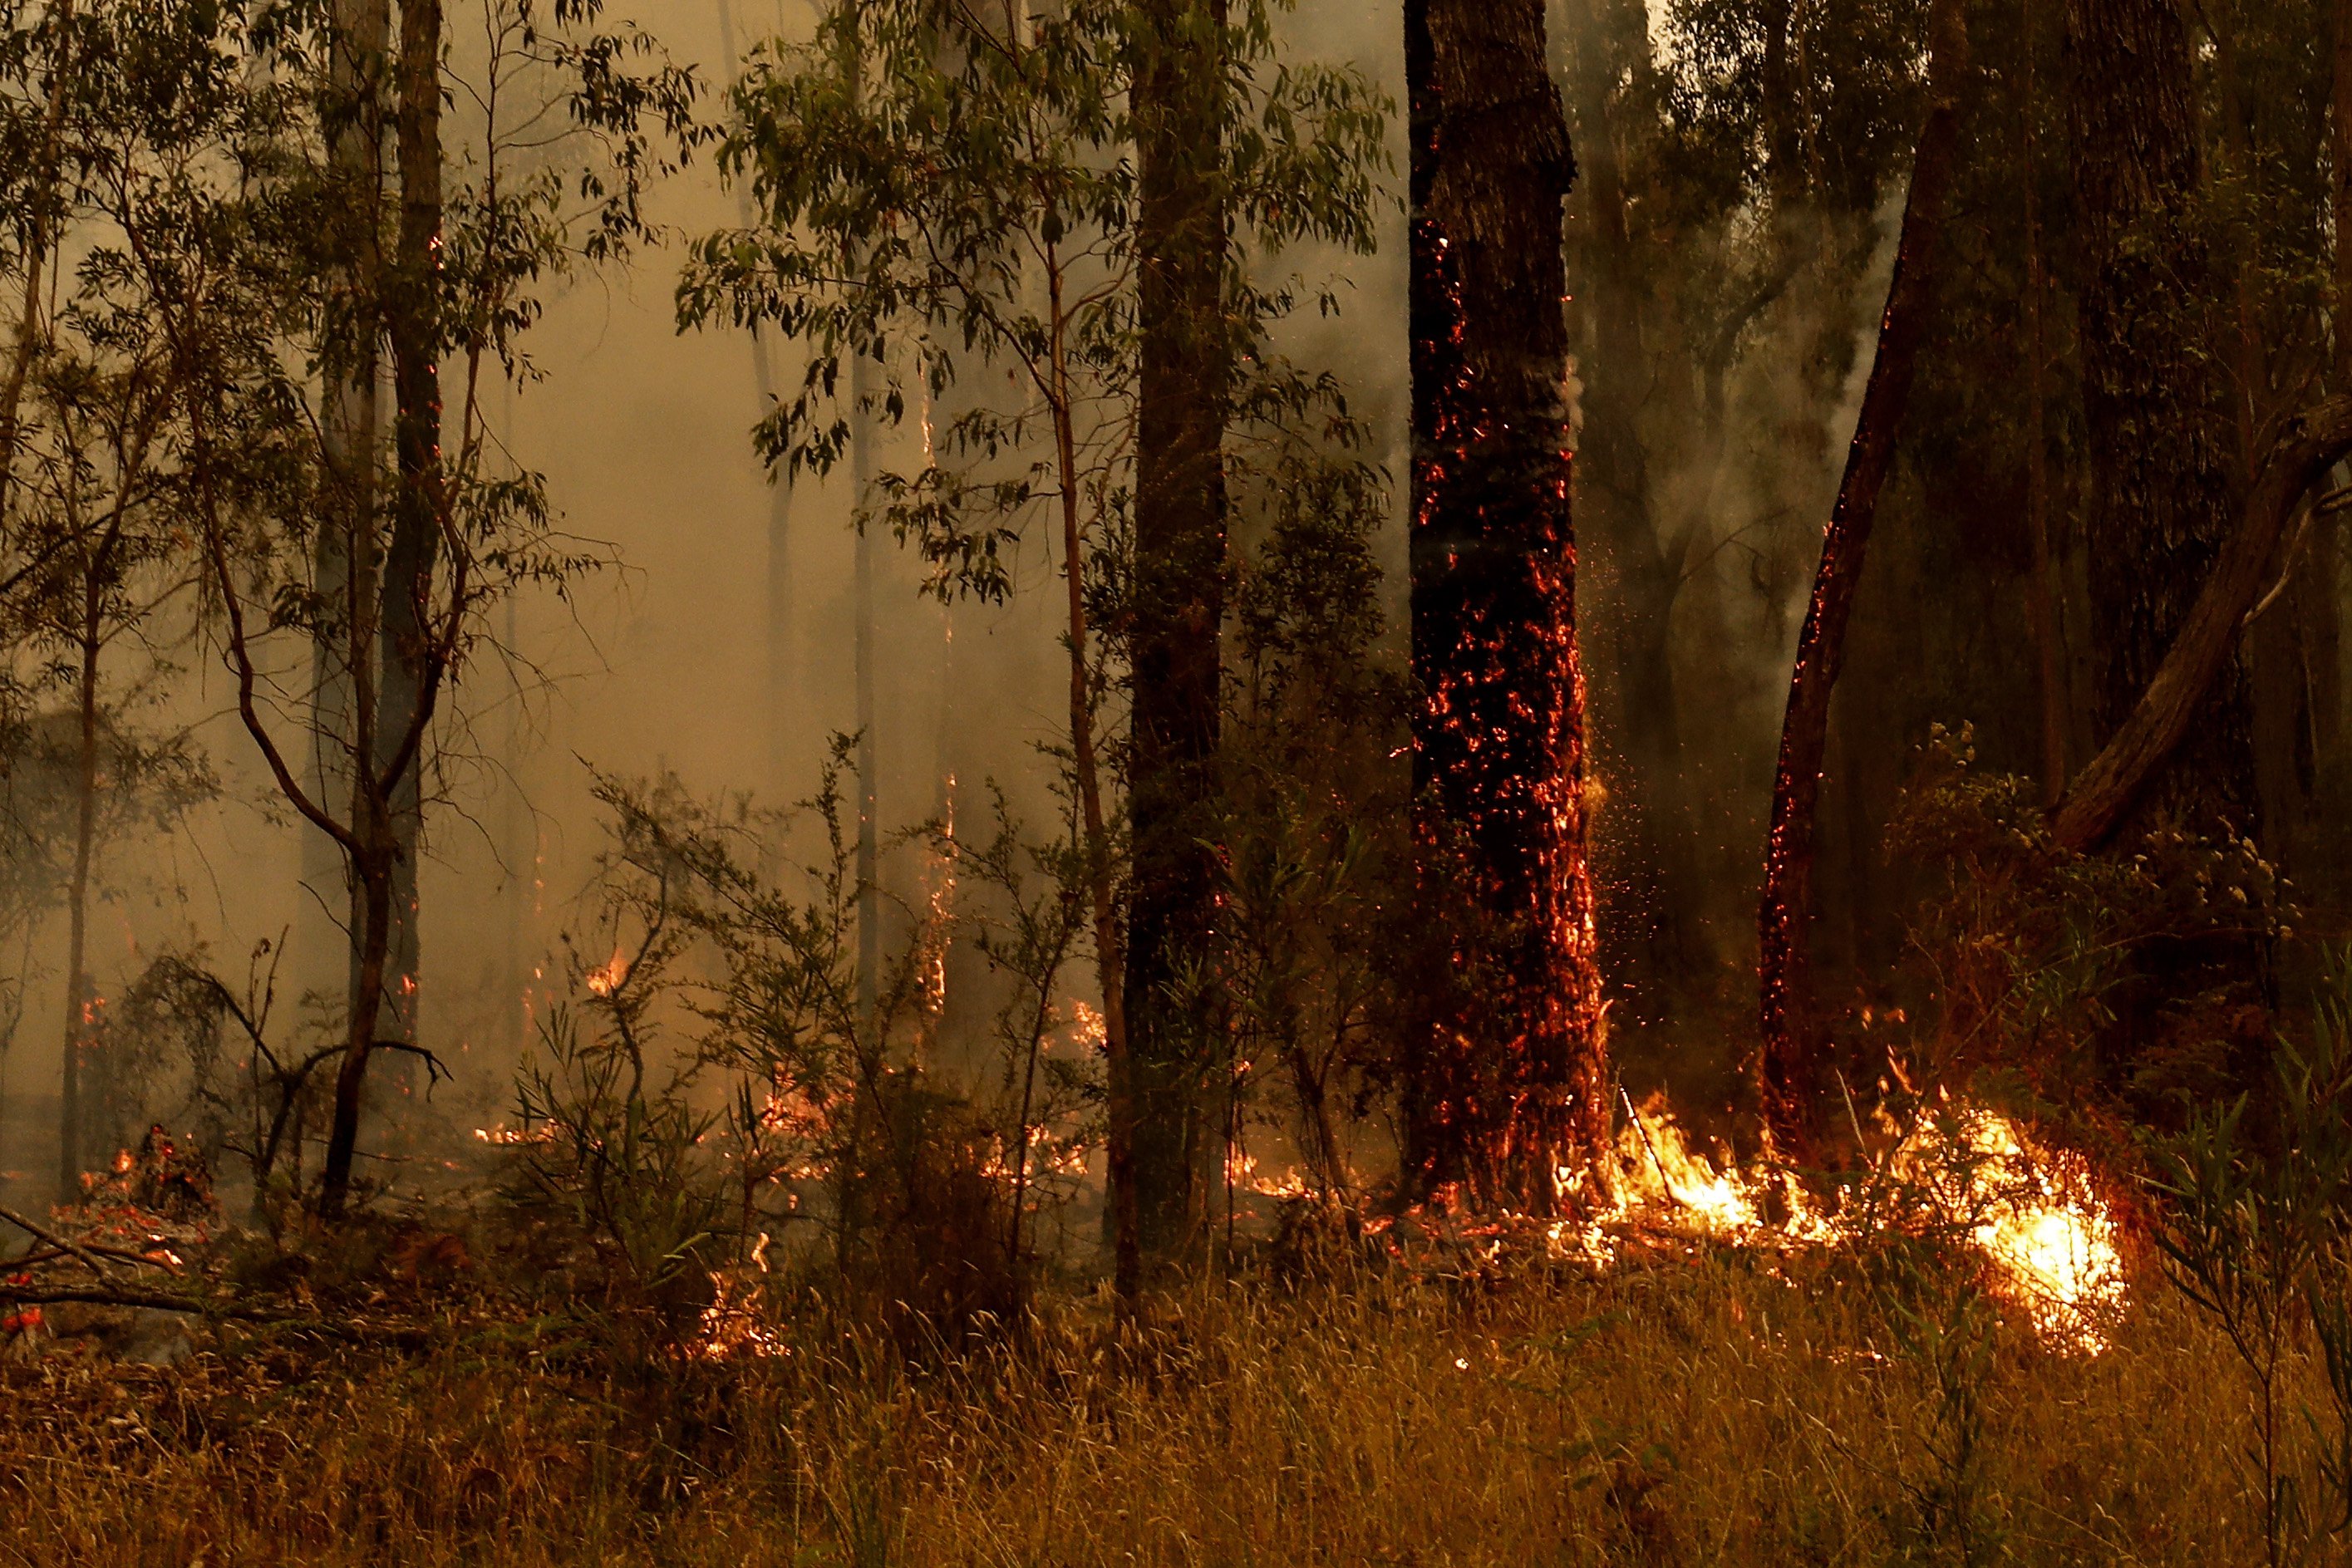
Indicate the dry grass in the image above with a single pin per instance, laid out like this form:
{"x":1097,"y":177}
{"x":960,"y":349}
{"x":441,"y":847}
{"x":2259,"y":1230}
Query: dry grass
{"x":1687,"y":1411}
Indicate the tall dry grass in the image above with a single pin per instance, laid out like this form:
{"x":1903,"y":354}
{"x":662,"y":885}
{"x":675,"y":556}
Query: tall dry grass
{"x":1717,"y":1409}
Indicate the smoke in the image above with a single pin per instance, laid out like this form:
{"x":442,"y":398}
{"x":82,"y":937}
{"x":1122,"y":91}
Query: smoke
{"x":662,"y":662}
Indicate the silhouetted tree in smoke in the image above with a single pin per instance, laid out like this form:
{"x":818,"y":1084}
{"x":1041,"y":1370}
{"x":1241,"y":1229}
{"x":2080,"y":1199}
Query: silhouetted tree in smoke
{"x":1176,"y":599}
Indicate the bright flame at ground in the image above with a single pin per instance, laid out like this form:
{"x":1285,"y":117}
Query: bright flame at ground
{"x":2050,"y":1240}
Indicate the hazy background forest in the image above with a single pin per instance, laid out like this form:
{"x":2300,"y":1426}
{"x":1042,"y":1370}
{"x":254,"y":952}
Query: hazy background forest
{"x":1200,"y":780}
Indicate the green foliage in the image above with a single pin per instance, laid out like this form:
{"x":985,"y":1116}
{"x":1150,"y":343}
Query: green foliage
{"x":2255,"y":1224}
{"x":951,"y":205}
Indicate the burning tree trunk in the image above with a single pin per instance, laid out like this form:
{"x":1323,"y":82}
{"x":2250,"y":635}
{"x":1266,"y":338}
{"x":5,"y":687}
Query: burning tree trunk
{"x":1177,"y":604}
{"x":2160,"y":507}
{"x":1510,"y":1080}
{"x":1793,"y":1040}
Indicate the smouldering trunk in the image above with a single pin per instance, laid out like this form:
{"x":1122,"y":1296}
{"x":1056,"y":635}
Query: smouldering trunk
{"x":2160,"y":505}
{"x":1177,"y":607}
{"x":1508,"y":1082}
{"x":1790,"y":1065}
{"x":80,"y":1005}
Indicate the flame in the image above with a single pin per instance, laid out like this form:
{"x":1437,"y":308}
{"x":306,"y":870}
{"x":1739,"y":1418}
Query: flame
{"x":503,"y":1137}
{"x":732,"y":1324}
{"x":610,"y":976}
{"x":2051,"y":1243}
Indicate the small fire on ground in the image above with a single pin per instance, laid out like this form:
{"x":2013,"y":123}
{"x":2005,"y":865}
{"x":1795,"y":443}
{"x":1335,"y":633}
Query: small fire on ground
{"x":2050,"y":1241}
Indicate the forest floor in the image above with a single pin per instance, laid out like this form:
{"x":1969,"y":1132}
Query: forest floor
{"x":1708,"y":1405}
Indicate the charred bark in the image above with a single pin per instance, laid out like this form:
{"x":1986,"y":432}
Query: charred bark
{"x":2160,"y":507}
{"x":1510,"y":1079}
{"x":1176,"y":607}
{"x":1794,"y":1033}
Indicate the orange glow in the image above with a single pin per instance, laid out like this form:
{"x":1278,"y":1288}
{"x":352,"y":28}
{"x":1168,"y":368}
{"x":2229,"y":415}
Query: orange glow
{"x":611,"y":976}
{"x":2050,"y":1242}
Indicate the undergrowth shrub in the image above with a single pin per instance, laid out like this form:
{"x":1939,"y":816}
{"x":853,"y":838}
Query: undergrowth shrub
{"x":2118,"y":987}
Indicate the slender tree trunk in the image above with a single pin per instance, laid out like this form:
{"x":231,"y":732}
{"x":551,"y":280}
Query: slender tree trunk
{"x":343,"y":564}
{"x":1793,"y":1031}
{"x":2340,"y":170}
{"x":870,"y":858}
{"x":389,"y":733}
{"x":407,"y":658}
{"x":1178,"y":605}
{"x":80,"y":1005}
{"x":2160,"y":506}
{"x":861,"y":469}
{"x":1111,"y":948}
{"x":37,"y":248}
{"x":1648,"y":930}
{"x":374,"y":879}
{"x":1509,"y":1078}
{"x":2042,"y":588}
{"x":784,"y":669}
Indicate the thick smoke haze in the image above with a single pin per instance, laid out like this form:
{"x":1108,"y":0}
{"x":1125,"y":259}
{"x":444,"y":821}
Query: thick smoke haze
{"x":667,"y":661}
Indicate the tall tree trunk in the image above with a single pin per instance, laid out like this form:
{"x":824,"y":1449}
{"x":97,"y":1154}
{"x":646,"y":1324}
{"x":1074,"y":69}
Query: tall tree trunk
{"x":40,"y":216}
{"x":407,"y":661}
{"x":1625,"y":544}
{"x":1509,"y":1081}
{"x":80,"y":1005}
{"x":784,"y":667}
{"x":1121,"y":1105}
{"x":388,"y":804}
{"x":1794,"y":1034}
{"x":2159,"y":500}
{"x":343,"y":552}
{"x":2340,"y":170}
{"x":1178,"y":604}
{"x":2041,"y":588}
